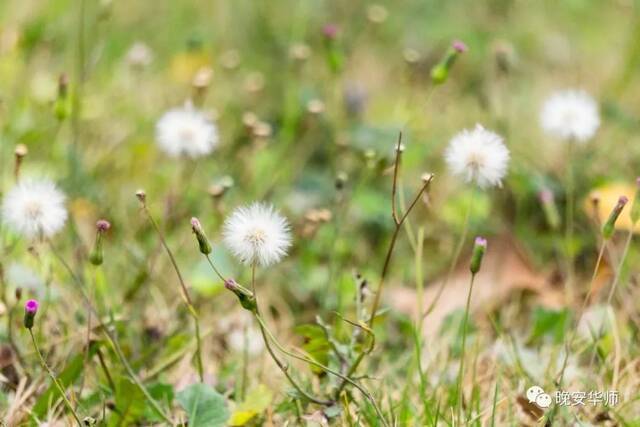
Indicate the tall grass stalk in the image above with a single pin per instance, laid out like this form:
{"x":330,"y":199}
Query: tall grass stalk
{"x":185,"y":293}
{"x":459,"y":388}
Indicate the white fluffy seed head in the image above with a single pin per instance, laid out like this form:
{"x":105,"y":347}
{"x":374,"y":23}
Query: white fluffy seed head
{"x":34,"y":208}
{"x":186,"y":132}
{"x":257,"y":234}
{"x":478,"y":155}
{"x":570,"y":114}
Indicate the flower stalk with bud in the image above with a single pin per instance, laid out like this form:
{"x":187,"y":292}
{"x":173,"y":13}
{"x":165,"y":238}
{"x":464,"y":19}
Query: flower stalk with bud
{"x":96,"y":257}
{"x":30,"y":311}
{"x":142,"y":198}
{"x":440,"y":71}
{"x":479,"y":249}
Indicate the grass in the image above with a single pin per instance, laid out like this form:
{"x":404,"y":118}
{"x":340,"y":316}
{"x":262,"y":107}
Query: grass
{"x":366,"y":315}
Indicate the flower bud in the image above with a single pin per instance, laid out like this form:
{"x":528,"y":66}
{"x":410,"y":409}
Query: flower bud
{"x":62,"y":107}
{"x":203,"y":242}
{"x":609,"y":226}
{"x":18,"y":293}
{"x":142,"y":196}
{"x":30,"y":310}
{"x":479,"y":248}
{"x":440,"y":71}
{"x":635,"y":206}
{"x":246,"y":297}
{"x":96,"y":256}
{"x":550,"y":208}
{"x":334,"y":54}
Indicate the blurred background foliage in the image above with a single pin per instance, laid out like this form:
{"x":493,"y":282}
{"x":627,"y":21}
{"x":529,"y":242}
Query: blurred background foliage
{"x":309,"y":123}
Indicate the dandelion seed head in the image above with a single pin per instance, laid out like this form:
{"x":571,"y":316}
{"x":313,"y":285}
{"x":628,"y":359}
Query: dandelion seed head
{"x":186,"y":132}
{"x":570,"y":114}
{"x":34,"y":208}
{"x":257,"y":234}
{"x":478,"y":155}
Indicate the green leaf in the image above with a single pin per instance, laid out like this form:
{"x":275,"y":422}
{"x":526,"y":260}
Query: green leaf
{"x":315,"y":344}
{"x":161,"y":392}
{"x":204,"y":406}
{"x":130,"y":403}
{"x":549,"y":323}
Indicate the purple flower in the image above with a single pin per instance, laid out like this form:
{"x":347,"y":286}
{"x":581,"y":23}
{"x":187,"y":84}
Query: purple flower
{"x":30,"y":310}
{"x":31,"y":306}
{"x":330,"y":31}
{"x":459,"y":46}
{"x":103,"y":225}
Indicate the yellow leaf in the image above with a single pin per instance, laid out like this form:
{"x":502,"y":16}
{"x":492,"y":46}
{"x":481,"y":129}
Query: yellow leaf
{"x":240,"y":418}
{"x":256,"y":402}
{"x":184,"y":66}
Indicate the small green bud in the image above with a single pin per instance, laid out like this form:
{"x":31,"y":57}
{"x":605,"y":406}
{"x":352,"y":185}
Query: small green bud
{"x":96,"y":257}
{"x":479,"y":248}
{"x":440,"y":71}
{"x":62,"y":105}
{"x":609,"y":227}
{"x":246,"y":297}
{"x":203,"y":242}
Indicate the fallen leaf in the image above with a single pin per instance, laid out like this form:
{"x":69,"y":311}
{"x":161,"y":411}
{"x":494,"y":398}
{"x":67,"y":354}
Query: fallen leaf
{"x":505,"y":269}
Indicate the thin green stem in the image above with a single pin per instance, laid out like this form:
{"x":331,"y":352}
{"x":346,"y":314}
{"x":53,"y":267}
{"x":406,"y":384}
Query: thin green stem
{"x":569,"y":212}
{"x":245,"y":363}
{"x":185,"y":292}
{"x":59,"y":386}
{"x":459,"y":388}
{"x":313,"y":362}
{"x":284,"y":368}
{"x":623,"y":259}
{"x":573,"y":333}
{"x":456,"y":255}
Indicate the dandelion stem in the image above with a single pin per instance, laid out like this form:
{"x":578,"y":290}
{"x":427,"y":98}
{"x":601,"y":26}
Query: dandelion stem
{"x":59,"y":386}
{"x":456,"y":255}
{"x":305,"y":358}
{"x":284,"y":368}
{"x":459,"y":389}
{"x":185,"y":292}
{"x":569,"y":222}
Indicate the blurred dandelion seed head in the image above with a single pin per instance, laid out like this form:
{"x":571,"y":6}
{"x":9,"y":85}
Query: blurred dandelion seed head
{"x":34,"y":208}
{"x":478,"y":155}
{"x":186,"y":132}
{"x":570,"y":115}
{"x":257,"y":234}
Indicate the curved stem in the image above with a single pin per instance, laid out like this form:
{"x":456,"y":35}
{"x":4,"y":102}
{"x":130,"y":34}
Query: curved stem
{"x":279,"y":363}
{"x":311,"y":361}
{"x":54,"y":379}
